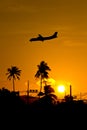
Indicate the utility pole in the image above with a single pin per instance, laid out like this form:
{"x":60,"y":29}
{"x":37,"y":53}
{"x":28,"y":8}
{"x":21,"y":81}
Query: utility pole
{"x":80,"y":95}
{"x":70,"y":90}
{"x":28,"y":92}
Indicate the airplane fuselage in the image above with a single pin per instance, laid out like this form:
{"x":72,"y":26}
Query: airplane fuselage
{"x":40,"y":38}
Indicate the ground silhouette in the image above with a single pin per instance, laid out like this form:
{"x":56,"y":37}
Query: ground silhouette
{"x":42,"y":112}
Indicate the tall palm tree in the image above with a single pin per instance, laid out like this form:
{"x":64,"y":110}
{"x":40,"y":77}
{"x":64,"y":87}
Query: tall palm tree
{"x":42,"y":72}
{"x":13,"y":73}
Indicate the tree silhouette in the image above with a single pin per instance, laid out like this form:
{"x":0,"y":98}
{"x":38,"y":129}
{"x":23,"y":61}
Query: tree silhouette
{"x":48,"y":89}
{"x":49,"y":94}
{"x":13,"y":73}
{"x":48,"y":98}
{"x":42,"y":72}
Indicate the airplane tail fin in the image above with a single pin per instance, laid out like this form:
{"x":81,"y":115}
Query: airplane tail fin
{"x":55,"y":34}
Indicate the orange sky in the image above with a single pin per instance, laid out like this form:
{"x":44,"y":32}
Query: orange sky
{"x":66,"y":55}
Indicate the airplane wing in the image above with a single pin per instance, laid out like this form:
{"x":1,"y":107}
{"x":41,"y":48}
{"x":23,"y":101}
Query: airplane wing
{"x":40,"y":35}
{"x":39,"y":38}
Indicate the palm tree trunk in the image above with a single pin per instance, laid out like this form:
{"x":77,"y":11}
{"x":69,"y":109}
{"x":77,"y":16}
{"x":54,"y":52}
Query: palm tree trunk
{"x":13,"y":85}
{"x":41,"y":84}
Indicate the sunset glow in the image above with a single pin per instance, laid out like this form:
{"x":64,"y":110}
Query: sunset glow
{"x":66,"y":55}
{"x":61,"y":88}
{"x":43,"y":63}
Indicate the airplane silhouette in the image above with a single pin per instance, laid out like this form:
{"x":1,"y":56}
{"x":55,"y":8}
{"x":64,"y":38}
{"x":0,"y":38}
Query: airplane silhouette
{"x":41,"y":38}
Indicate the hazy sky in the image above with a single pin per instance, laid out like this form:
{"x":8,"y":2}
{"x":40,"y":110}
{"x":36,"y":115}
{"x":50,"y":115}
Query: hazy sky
{"x":66,"y":55}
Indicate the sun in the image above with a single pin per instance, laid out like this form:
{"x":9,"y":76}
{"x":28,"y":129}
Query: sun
{"x":61,"y":88}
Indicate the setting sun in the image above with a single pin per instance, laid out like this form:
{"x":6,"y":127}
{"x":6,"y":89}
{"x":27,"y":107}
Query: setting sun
{"x":61,"y":88}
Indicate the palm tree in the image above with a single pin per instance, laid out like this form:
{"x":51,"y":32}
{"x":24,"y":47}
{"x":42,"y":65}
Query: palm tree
{"x":13,"y":73}
{"x":48,"y":89}
{"x":49,"y":95}
{"x":42,"y":72}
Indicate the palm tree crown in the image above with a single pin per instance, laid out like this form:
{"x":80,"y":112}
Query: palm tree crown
{"x":13,"y":73}
{"x":42,"y":72}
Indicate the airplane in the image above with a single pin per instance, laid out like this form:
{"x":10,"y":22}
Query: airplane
{"x":41,"y":38}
